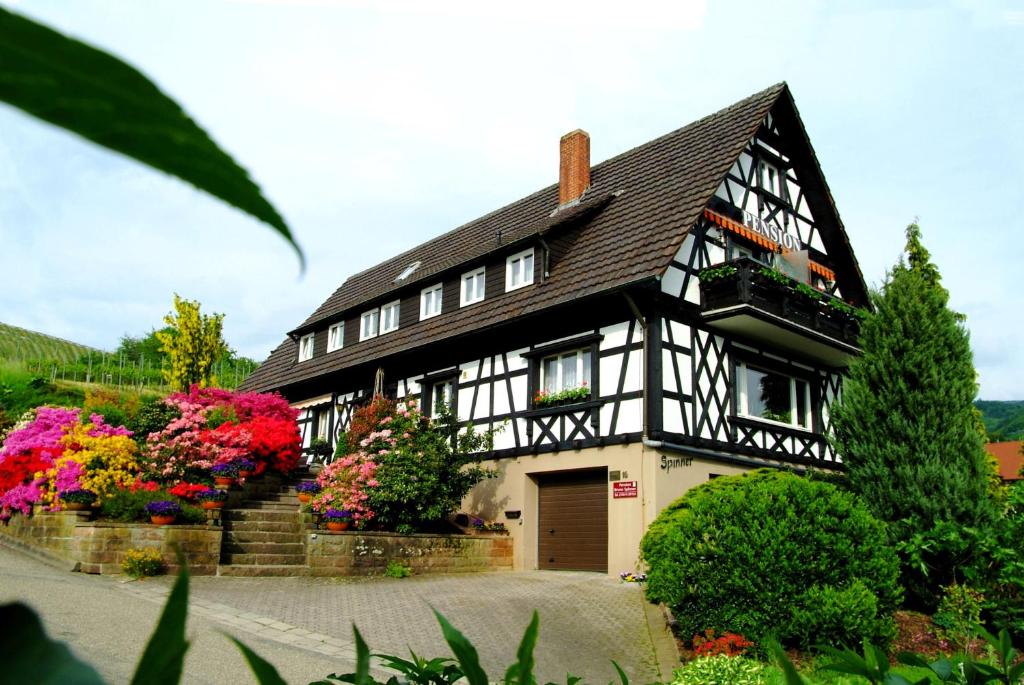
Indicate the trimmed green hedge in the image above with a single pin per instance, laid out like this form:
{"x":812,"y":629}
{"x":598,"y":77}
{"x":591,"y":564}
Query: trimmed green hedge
{"x":770,"y":553}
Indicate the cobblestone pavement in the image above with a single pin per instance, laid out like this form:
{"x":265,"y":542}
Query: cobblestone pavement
{"x":586,"y":620}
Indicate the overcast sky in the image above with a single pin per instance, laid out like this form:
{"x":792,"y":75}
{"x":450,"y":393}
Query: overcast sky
{"x":373,"y":126}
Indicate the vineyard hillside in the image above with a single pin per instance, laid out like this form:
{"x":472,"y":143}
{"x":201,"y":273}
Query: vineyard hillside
{"x":20,"y":343}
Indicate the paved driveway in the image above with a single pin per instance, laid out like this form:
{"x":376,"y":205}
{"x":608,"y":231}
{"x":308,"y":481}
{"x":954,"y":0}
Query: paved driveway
{"x":304,"y":625}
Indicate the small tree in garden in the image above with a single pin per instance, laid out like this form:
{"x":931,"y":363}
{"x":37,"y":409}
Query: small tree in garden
{"x":906,"y":425}
{"x":192,"y":343}
{"x":407,"y":472}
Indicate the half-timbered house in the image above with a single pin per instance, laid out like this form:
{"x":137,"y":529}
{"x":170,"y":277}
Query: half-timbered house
{"x":692,"y":298}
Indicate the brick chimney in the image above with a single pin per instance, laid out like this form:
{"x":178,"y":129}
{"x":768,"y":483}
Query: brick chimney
{"x":574,"y":166}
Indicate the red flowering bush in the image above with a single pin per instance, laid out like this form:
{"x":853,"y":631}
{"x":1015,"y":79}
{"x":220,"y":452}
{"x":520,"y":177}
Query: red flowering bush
{"x":729,"y":644}
{"x":20,"y":469}
{"x":246,"y":405}
{"x":274,"y":442}
{"x":188,"y":490}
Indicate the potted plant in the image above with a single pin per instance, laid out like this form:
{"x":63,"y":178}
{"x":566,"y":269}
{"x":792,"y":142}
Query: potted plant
{"x":246,"y":468}
{"x":338,"y":519}
{"x":77,"y":500}
{"x":212,"y":498}
{"x":163,"y":512}
{"x":224,"y":475}
{"x":306,"y":489}
{"x":482,"y":526}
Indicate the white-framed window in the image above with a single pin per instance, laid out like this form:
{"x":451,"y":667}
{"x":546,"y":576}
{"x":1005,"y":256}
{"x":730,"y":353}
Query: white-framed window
{"x":772,"y":179}
{"x":389,"y":316}
{"x":472,"y":289}
{"x":519,"y":270}
{"x":336,"y":336}
{"x":368,"y":324}
{"x":323,"y":424}
{"x":306,"y":347}
{"x":772,"y":396}
{"x":565,"y":371}
{"x":430,"y":301}
{"x":442,"y":393}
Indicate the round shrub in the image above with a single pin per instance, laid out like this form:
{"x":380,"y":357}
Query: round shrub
{"x":721,"y":668}
{"x":769,"y":553}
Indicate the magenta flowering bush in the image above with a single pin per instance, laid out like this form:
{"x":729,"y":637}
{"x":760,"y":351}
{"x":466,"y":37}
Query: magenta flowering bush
{"x":43,"y":432}
{"x":246,"y":405}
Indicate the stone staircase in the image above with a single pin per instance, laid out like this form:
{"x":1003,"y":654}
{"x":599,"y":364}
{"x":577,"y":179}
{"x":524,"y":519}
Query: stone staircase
{"x":264,"y":531}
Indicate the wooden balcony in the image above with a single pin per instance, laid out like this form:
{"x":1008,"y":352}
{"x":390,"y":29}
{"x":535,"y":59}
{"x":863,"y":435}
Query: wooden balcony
{"x":750,"y":299}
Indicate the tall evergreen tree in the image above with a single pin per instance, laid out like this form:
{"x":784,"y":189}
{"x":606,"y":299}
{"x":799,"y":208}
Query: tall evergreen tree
{"x":906,"y":426}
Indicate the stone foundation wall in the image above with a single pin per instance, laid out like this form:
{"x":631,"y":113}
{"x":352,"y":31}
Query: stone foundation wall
{"x":363,"y":553}
{"x":99,"y":547}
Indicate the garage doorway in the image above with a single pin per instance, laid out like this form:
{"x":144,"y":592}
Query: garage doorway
{"x":573,"y":521}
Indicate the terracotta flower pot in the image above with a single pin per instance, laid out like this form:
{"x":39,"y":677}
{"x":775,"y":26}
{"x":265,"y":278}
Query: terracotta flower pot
{"x":161,"y":520}
{"x":224,"y":481}
{"x":245,"y":474}
{"x":76,"y":506}
{"x":337,"y":525}
{"x":213,"y":504}
{"x":304,"y":497}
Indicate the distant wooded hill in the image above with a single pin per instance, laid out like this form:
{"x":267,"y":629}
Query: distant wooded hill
{"x":1003,"y":420}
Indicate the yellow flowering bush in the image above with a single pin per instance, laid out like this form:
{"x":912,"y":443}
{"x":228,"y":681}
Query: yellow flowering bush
{"x":94,"y":459}
{"x":142,"y":562}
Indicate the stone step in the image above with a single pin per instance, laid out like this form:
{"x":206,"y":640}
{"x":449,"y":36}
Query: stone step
{"x":234,"y":559}
{"x":257,"y":526}
{"x":251,"y":571}
{"x":263,"y":515}
{"x":270,"y":504}
{"x":290,"y":547}
{"x":241,"y":537}
{"x":278,"y":497}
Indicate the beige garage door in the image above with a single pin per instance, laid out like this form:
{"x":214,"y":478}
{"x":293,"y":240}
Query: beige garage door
{"x":573,"y":521}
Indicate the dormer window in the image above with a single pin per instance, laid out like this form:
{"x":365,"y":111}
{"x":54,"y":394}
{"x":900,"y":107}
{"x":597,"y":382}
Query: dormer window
{"x":519,"y":270}
{"x":408,"y":271}
{"x":336,"y":336}
{"x":306,"y":347}
{"x":430,"y":301}
{"x":368,"y":324}
{"x":389,"y":316}
{"x":472,"y":287}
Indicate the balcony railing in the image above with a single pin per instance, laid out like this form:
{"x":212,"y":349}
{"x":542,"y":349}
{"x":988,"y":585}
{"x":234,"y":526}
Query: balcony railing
{"x":747,"y":288}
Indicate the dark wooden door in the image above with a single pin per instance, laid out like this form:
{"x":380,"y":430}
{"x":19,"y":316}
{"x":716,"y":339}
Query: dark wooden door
{"x":573,"y":520}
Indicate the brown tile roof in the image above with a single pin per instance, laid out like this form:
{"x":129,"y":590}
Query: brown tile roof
{"x":635,"y":215}
{"x":1009,"y":456}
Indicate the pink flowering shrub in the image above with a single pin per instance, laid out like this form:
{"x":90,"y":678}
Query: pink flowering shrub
{"x":405,"y":473}
{"x":44,"y":431}
{"x":222,"y":427}
{"x":344,"y":484}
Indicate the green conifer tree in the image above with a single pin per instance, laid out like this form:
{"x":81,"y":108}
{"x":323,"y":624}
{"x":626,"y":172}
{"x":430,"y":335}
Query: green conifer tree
{"x":906,"y":426}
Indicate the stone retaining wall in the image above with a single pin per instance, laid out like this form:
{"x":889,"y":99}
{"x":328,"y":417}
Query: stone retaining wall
{"x":364,"y":553}
{"x":99,"y":547}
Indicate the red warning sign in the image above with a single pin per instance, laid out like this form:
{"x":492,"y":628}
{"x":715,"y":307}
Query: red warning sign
{"x":624,"y":488}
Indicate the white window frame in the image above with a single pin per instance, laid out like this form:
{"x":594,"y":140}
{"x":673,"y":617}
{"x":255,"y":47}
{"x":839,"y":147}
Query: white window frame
{"x":306,"y":348}
{"x":323,"y":424}
{"x":743,"y":406}
{"x":433,"y":307}
{"x":389,"y":316}
{"x":479,"y":277}
{"x":515,"y":267}
{"x":336,"y":336}
{"x":583,"y":370}
{"x":369,"y":324}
